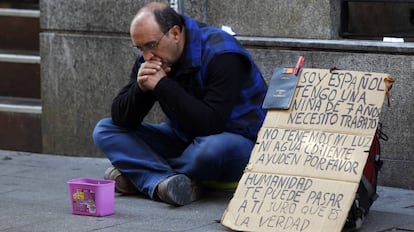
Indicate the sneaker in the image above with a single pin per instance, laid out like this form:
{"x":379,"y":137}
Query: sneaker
{"x":122,"y":183}
{"x":178,"y":190}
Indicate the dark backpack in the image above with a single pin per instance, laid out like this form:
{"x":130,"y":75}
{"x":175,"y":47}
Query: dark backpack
{"x":367,"y":189}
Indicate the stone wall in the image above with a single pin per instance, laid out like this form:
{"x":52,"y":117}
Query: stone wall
{"x":87,"y":56}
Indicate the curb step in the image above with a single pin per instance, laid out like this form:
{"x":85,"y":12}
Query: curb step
{"x":19,"y":13}
{"x":18,"y":58}
{"x":20,"y":105}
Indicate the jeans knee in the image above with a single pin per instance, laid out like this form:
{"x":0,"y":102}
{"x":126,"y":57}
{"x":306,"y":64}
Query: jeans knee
{"x":99,"y":130}
{"x":209,"y":157}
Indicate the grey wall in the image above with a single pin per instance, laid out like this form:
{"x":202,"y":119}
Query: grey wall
{"x":86,"y":57}
{"x":317,"y":19}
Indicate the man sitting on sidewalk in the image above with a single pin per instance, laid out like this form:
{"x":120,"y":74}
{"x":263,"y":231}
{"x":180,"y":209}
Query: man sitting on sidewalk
{"x":211,"y":93}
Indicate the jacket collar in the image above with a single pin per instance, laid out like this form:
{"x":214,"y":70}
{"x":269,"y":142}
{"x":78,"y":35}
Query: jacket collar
{"x":191,"y":57}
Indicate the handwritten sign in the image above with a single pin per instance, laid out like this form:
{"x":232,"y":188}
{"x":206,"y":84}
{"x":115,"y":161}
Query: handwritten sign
{"x":308,"y":160}
{"x":272,"y":202}
{"x":340,"y":101}
{"x":316,"y":153}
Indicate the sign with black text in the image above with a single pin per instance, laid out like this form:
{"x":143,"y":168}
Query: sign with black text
{"x":308,"y":160}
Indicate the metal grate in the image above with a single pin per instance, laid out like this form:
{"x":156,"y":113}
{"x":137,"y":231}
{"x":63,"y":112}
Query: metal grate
{"x":370,"y":19}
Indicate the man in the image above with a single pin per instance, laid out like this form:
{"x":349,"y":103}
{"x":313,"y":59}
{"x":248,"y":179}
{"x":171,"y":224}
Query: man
{"x":211,"y":93}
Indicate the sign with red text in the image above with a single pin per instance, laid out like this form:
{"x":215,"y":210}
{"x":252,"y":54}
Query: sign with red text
{"x":307,"y":163}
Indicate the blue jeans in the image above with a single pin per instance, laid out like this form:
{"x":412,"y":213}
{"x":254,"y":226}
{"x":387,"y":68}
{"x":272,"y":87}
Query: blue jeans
{"x":154,"y":152}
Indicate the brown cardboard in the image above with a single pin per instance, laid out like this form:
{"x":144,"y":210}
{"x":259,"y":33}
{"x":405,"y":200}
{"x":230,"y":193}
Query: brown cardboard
{"x":271,"y":202}
{"x":343,"y":101}
{"x":307,"y":163}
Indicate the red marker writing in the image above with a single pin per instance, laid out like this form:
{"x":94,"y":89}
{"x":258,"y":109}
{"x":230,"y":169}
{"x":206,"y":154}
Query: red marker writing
{"x":299,"y":65}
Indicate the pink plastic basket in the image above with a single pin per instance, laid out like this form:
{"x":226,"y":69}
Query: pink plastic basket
{"x":93,"y":197}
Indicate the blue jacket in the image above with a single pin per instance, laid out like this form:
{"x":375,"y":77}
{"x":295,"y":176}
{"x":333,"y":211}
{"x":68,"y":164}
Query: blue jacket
{"x":190,"y":81}
{"x":206,"y":42}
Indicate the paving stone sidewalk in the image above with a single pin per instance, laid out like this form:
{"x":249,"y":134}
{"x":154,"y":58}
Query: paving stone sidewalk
{"x":34,"y":197}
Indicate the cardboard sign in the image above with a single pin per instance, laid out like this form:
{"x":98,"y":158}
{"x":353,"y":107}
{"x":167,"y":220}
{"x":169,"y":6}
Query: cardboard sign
{"x":347,"y":102}
{"x":272,"y":202}
{"x":312,"y":153}
{"x":307,"y":163}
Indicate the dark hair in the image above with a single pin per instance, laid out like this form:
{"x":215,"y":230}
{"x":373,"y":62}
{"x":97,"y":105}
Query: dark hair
{"x":167,"y":18}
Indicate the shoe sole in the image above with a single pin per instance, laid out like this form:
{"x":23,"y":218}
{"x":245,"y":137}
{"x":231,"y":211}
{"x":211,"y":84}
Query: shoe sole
{"x":176,"y":190}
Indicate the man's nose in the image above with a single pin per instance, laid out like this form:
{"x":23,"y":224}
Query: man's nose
{"x":147,"y":55}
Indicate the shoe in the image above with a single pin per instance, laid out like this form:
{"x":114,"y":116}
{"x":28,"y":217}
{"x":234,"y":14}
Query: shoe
{"x":178,"y":190}
{"x":122,"y":183}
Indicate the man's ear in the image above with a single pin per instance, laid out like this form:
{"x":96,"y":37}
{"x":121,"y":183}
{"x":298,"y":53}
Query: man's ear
{"x":176,"y":32}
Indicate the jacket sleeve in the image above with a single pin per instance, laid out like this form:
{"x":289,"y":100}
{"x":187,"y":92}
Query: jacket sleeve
{"x":209,"y":113}
{"x":131,"y":104}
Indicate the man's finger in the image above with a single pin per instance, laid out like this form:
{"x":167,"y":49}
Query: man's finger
{"x":167,"y":69}
{"x":141,"y":82}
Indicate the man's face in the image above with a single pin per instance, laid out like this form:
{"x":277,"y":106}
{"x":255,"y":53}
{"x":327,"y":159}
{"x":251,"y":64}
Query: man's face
{"x":153,"y":43}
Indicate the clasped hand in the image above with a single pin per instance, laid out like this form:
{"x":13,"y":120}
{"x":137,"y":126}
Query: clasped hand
{"x":150,"y":73}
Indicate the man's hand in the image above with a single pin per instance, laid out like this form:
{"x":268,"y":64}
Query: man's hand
{"x":150,"y":73}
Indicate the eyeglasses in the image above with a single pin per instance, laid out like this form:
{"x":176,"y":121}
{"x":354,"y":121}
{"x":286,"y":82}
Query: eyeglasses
{"x":151,"y":45}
